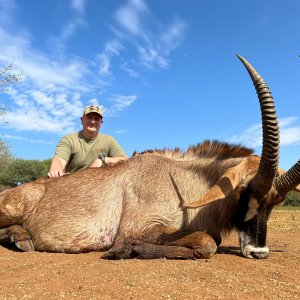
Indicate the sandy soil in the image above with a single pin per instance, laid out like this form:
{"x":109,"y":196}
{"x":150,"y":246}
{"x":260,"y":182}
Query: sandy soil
{"x":227,"y":275}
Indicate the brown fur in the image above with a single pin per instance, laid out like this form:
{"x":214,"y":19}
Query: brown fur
{"x":218,"y":150}
{"x":206,"y":149}
{"x":170,"y":153}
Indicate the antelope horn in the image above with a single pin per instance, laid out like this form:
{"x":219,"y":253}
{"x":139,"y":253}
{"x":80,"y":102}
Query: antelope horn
{"x":289,"y":180}
{"x":263,"y":180}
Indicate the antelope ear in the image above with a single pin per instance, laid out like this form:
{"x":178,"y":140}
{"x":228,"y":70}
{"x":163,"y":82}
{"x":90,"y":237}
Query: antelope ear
{"x":226,"y":184}
{"x":232,"y":178}
{"x":215,"y":193}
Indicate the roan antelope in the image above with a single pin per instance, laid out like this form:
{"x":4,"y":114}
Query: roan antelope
{"x":165,"y":203}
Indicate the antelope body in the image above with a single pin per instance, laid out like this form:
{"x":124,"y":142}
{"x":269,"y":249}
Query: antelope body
{"x":158,"y":203}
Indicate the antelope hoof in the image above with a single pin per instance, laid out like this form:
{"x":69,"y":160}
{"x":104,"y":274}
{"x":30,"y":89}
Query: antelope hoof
{"x":205,"y":252}
{"x":119,"y":253}
{"x":26,"y":246}
{"x":114,"y":255}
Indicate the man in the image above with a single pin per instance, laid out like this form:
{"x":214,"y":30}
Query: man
{"x":86,"y":148}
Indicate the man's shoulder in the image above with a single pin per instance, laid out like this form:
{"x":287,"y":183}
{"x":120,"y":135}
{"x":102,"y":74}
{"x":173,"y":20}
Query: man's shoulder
{"x":70,"y":139}
{"x":106,"y":139}
{"x":114,"y":149}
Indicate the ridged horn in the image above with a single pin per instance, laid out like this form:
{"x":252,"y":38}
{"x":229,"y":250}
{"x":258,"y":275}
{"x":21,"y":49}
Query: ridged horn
{"x":289,"y":180}
{"x":263,"y":180}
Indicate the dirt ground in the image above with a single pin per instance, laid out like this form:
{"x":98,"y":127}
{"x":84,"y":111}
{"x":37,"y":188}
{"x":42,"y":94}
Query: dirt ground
{"x":227,"y":275}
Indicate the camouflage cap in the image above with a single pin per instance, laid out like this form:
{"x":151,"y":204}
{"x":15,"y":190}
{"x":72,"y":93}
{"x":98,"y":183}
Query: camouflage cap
{"x":93,"y":109}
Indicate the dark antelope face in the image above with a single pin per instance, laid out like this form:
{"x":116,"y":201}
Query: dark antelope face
{"x":251,"y":222}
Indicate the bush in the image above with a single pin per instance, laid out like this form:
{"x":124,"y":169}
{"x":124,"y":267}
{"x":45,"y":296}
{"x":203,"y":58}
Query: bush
{"x":20,"y":171}
{"x":5,"y":156}
{"x":292,"y":199}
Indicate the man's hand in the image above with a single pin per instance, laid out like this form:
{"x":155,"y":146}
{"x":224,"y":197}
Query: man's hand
{"x":57,"y":167}
{"x":110,"y":161}
{"x":55,"y":173}
{"x":96,"y":164}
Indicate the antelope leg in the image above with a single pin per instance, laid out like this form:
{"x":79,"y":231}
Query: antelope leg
{"x":18,"y":235}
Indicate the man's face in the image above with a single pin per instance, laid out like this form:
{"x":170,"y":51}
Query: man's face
{"x":91,"y":122}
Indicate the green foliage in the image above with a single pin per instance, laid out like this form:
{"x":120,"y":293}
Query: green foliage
{"x":7,"y":77}
{"x":5,"y":156}
{"x":20,"y":171}
{"x":292,"y":199}
{"x":5,"y":159}
{"x":2,"y":110}
{"x":47,"y":164}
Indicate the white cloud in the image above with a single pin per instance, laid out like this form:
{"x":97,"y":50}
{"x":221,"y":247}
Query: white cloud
{"x":15,"y":137}
{"x":151,"y":58}
{"x":94,"y":101}
{"x":252,"y":137}
{"x":42,"y":99}
{"x":131,"y":72}
{"x":104,"y":64}
{"x":153,"y":42}
{"x":69,"y":30}
{"x":290,"y":136}
{"x":37,"y":120}
{"x":78,"y":6}
{"x":41,"y":69}
{"x":172,"y":36}
{"x":49,"y":97}
{"x":77,"y":20}
{"x":283,"y":122}
{"x":130,"y":15}
{"x":120,"y":131}
{"x":111,"y":49}
{"x":7,"y":7}
{"x":119,"y":104}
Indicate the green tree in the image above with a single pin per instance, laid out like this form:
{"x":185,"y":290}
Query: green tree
{"x":47,"y":164}
{"x":7,"y":78}
{"x":292,"y":199}
{"x":5,"y":159}
{"x":5,"y":156}
{"x":20,"y":171}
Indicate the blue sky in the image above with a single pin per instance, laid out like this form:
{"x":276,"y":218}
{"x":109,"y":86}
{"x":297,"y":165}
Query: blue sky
{"x":165,"y":72}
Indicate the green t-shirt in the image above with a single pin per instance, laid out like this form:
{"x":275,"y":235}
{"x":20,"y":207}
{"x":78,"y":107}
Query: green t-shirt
{"x":80,"y":153}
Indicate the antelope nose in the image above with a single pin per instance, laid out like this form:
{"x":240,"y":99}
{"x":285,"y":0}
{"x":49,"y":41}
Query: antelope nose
{"x":260,"y":255}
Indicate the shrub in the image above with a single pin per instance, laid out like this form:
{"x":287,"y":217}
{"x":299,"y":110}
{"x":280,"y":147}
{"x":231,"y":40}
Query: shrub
{"x":292,"y":199}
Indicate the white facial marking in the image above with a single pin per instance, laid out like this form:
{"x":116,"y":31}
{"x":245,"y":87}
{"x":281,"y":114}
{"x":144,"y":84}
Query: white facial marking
{"x":252,"y":211}
{"x":248,"y":249}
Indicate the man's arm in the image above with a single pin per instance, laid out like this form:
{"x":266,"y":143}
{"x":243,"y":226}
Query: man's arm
{"x":57,"y":167}
{"x":110,"y":161}
{"x":115,"y":154}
